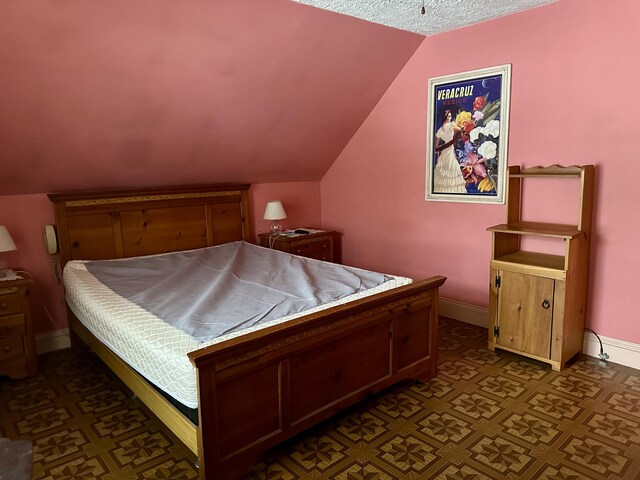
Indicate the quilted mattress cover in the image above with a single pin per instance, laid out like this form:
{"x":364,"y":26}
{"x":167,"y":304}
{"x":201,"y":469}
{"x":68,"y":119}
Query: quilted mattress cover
{"x":151,"y":346}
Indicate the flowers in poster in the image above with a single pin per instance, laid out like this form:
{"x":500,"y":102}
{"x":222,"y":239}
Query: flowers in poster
{"x":477,"y":149}
{"x":488,"y":150}
{"x":473,"y":170}
{"x":479,"y":103}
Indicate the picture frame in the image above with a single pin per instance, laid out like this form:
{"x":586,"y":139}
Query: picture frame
{"x":467,"y":136}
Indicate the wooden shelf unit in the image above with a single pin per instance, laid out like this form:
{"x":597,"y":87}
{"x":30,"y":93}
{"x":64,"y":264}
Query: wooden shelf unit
{"x":537,"y":301}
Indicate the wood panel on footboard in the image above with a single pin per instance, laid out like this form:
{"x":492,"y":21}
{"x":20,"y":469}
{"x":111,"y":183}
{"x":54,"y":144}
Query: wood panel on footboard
{"x":258,"y":390}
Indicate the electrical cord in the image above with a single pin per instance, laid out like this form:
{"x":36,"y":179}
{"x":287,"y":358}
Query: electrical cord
{"x":272,"y":239}
{"x":602,"y":356}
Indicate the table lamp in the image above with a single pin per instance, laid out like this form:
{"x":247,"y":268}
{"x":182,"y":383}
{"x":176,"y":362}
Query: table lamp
{"x":275,"y":211}
{"x":6,"y":245}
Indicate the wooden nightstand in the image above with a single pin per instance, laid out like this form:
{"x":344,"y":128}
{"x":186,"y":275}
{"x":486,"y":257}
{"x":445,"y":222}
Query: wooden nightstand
{"x":317,"y":245}
{"x":17,"y":344}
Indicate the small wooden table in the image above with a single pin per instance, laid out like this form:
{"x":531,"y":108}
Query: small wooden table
{"x":17,"y":343}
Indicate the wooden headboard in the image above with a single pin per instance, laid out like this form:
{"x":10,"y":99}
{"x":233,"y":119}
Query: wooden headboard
{"x":126,"y":223}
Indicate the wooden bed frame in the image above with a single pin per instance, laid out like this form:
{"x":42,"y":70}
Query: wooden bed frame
{"x":259,"y":389}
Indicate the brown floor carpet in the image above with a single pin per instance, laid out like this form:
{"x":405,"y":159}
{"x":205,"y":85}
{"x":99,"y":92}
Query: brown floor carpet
{"x":486,"y":416}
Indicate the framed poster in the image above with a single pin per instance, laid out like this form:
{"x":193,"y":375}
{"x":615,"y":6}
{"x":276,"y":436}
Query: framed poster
{"x":467,"y":136}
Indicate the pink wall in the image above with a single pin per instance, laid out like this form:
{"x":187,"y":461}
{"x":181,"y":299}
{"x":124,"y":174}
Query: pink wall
{"x":572,"y":102}
{"x":301,"y":202}
{"x":24,"y":216}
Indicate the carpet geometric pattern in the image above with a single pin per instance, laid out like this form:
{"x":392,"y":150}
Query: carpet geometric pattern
{"x":486,"y":416}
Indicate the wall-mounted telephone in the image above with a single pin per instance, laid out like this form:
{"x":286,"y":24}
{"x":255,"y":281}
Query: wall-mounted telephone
{"x":51,"y":247}
{"x":50,"y":239}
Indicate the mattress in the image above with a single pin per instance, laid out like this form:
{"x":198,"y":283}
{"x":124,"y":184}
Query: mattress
{"x":153,"y":346}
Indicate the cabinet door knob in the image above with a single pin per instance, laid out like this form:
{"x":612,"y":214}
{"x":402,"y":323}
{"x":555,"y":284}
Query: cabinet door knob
{"x":545,"y":304}
{"x":8,"y":328}
{"x":6,"y":349}
{"x":4,"y":305}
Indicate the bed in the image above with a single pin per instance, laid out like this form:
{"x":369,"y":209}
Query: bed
{"x":255,"y":389}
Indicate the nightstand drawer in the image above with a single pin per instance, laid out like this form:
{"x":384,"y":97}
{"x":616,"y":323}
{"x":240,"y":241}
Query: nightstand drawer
{"x":319,"y":248}
{"x":11,"y":347}
{"x":12,"y":325}
{"x":9,"y":304}
{"x":317,"y":244}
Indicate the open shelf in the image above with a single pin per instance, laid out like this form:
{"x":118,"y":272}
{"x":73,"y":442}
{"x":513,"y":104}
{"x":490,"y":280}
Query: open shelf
{"x":555,"y":230}
{"x":534,"y":259}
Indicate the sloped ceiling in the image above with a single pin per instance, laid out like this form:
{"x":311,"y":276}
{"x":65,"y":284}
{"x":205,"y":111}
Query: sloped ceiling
{"x":116,"y":94}
{"x":101,"y":94}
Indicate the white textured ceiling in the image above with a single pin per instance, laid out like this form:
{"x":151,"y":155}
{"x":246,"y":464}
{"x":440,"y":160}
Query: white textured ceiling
{"x":440,"y":15}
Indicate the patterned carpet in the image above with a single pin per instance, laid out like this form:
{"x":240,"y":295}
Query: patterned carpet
{"x":486,"y":416}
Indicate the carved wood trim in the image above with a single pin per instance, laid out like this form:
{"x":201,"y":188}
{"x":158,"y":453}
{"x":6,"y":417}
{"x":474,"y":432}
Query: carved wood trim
{"x":148,"y":198}
{"x":555,"y":169}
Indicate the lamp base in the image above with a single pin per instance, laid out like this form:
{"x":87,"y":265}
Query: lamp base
{"x":276,"y":228}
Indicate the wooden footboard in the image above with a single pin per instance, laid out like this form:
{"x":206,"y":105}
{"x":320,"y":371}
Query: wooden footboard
{"x":256,"y":391}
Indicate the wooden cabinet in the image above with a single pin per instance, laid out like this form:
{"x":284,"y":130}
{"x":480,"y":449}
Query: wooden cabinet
{"x":317,"y":245}
{"x":537,"y":301}
{"x":17,"y":345}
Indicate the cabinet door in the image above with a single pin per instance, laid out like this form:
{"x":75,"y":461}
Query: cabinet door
{"x":525,"y":311}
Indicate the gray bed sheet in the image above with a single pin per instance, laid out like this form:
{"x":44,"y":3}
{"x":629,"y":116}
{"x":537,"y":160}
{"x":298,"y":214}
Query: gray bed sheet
{"x":217,"y":290}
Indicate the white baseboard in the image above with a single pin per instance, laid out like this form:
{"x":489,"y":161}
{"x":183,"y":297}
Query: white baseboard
{"x":464,"y":312}
{"x":54,"y":340}
{"x":620,"y":351}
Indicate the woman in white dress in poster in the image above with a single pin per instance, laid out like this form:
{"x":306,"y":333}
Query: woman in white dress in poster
{"x":447,"y":177}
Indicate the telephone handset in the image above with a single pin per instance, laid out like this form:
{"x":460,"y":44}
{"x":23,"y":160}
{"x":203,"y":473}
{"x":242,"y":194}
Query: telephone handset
{"x":50,"y":240}
{"x":51,"y":247}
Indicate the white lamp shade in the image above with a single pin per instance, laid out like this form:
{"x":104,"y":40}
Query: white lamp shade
{"x":274,"y":211}
{"x":6,"y":242}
